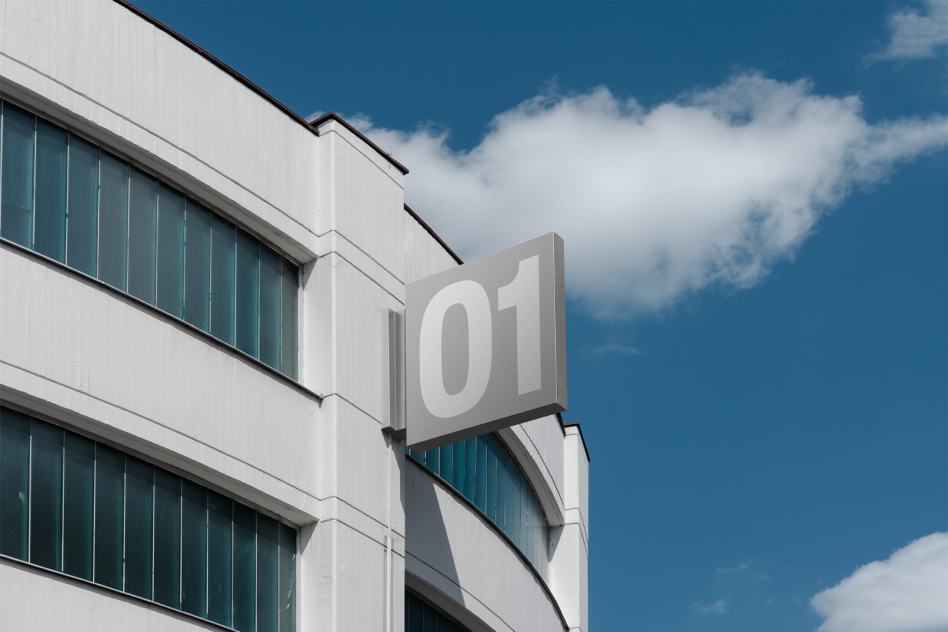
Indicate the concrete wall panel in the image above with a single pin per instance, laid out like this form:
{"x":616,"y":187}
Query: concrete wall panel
{"x":108,"y":73}
{"x":34,"y":599}
{"x":538,"y":447}
{"x":454,"y":549}
{"x":363,"y":198}
{"x":424,"y":255}
{"x":358,"y":465}
{"x":345,"y":588}
{"x":151,"y":383}
{"x":94,"y":359}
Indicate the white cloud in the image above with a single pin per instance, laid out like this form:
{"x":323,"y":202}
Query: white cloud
{"x":718,"y":607}
{"x":742,"y":572}
{"x":740,"y":568}
{"x":710,"y":189}
{"x":613,"y":347}
{"x":906,"y":593}
{"x":914,"y":35}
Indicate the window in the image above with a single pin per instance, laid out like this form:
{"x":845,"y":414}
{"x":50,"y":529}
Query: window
{"x":420,"y":616}
{"x":484,"y":472}
{"x":83,"y":508}
{"x":76,"y":203}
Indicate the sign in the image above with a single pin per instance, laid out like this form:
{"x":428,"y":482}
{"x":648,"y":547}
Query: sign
{"x":486,"y":344}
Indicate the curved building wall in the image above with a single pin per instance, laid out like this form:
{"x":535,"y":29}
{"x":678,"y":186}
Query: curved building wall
{"x":458,"y":559}
{"x":483,"y":471}
{"x":83,"y":508}
{"x":81,"y":353}
{"x":121,"y":77}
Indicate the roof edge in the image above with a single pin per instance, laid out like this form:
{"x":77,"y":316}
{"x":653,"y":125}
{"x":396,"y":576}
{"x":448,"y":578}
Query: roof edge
{"x":575,"y":424}
{"x":315,"y":123}
{"x":433,"y":234}
{"x":217,"y":62}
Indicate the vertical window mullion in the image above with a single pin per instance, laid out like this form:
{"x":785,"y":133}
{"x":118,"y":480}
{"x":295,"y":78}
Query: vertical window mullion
{"x":259,"y":292}
{"x":210,"y":276}
{"x":154,"y":517}
{"x":124,"y":493}
{"x":233,"y":562}
{"x":234,"y":315}
{"x":66,"y":246}
{"x":2,"y":108}
{"x":207,"y":548}
{"x":128,"y":224}
{"x":29,"y":485}
{"x":157,"y":234}
{"x":184,"y":265}
{"x":180,"y":542}
{"x":98,"y":220}
{"x":62,"y":509}
{"x":95,"y":474}
{"x":33,"y":191}
{"x":256,"y":574}
{"x":278,"y":556}
{"x":279,"y":317}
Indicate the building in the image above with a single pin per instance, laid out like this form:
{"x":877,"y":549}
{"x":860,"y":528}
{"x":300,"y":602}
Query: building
{"x":191,"y":366}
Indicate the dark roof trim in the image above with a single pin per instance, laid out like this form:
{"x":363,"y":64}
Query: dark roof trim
{"x":433,"y":234}
{"x":581,"y":437}
{"x":315,"y":123}
{"x":311,"y":127}
{"x":217,"y":62}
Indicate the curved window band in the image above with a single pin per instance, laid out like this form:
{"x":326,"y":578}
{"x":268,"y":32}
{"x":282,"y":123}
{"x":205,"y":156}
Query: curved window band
{"x":74,"y":202}
{"x":483,"y":471}
{"x":82,"y":508}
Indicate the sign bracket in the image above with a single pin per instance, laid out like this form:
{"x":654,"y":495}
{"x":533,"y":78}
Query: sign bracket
{"x":393,"y":373}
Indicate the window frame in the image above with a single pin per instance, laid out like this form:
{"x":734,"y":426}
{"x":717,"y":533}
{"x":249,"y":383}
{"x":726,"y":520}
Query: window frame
{"x":459,"y":494}
{"x":172,"y":184}
{"x":155,"y":463}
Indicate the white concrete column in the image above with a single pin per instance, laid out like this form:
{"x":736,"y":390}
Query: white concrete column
{"x":569,"y":543}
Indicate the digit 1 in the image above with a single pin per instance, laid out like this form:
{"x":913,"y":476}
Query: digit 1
{"x":524,"y":294}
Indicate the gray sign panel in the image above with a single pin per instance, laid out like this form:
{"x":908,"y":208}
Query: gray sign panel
{"x":486,"y":344}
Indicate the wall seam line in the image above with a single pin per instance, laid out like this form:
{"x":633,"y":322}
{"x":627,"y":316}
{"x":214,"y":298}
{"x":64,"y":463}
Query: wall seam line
{"x":157,"y":423}
{"x":364,"y":155}
{"x":163,"y":139}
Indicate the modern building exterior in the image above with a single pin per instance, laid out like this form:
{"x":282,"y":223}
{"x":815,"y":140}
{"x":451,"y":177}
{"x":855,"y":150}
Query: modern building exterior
{"x":192,"y":366}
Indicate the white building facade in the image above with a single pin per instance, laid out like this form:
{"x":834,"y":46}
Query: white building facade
{"x":192,"y":356}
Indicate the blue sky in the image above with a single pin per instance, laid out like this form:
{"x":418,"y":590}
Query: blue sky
{"x":753,"y":198}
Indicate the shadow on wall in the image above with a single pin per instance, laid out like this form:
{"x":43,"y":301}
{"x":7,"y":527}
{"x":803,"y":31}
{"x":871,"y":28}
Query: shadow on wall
{"x":427,"y":536}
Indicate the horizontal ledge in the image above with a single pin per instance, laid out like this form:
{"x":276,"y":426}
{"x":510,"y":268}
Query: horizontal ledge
{"x":168,"y":317}
{"x":113,"y":591}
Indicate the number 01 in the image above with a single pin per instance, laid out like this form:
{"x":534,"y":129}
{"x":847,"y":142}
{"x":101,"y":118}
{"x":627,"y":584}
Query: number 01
{"x":524,"y":294}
